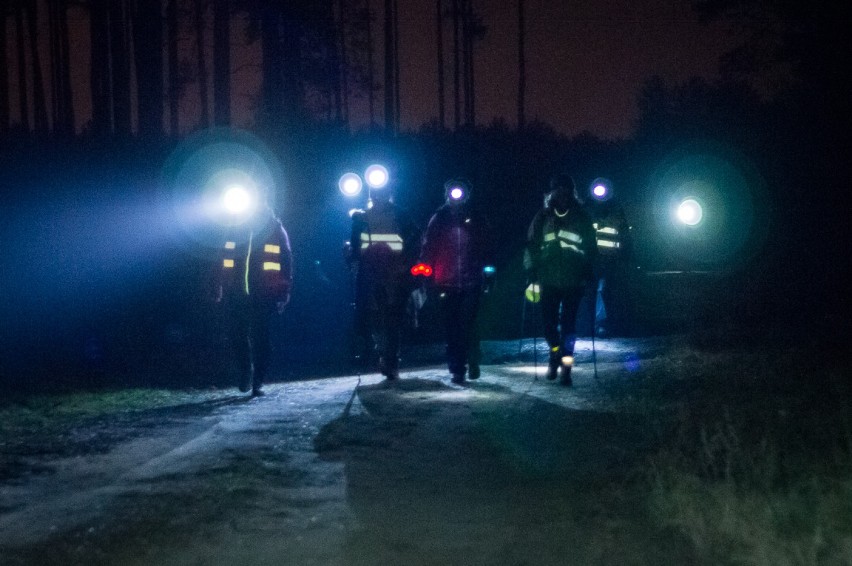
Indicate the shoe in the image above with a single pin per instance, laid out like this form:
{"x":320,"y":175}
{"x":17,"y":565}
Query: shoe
{"x":257,"y":392}
{"x":565,"y":376}
{"x":245,"y":385}
{"x":458,"y":378}
{"x":392,"y":375}
{"x":553,"y":364}
{"x":473,"y":371}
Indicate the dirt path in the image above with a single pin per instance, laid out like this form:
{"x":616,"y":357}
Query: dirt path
{"x":345,"y":471}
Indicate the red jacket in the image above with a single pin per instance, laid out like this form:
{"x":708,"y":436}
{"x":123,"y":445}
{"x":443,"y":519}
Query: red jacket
{"x":457,"y":245}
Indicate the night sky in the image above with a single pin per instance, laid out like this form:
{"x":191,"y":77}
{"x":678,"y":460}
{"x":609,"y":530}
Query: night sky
{"x":586,"y":61}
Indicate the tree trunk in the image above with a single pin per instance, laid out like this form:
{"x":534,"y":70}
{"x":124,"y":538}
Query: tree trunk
{"x":389,"y":75}
{"x":148,"y":53}
{"x":40,"y":122}
{"x":344,"y":60}
{"x":396,"y":97}
{"x":60,"y":77}
{"x":456,"y":66}
{"x":222,"y":62}
{"x":23,"y":98}
{"x":271,"y":71}
{"x":371,"y":79}
{"x":201,"y":63}
{"x":4,"y":77}
{"x":119,"y":25}
{"x":174,"y":77}
{"x":99,"y":79}
{"x":522,"y":65}
{"x":467,"y":35}
{"x":439,"y":39}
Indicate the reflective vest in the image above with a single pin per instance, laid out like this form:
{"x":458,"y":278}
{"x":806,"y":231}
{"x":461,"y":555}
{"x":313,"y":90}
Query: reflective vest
{"x":608,"y":239}
{"x":567,"y":239}
{"x":259,"y":267}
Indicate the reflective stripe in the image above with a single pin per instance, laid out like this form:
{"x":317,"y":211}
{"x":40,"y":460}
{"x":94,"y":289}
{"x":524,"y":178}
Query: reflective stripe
{"x":272,"y":249}
{"x":570,"y":247}
{"x":393,"y":241}
{"x":228,"y":263}
{"x":606,"y":230}
{"x":230,"y":245}
{"x":248,"y":265}
{"x":608,"y":244}
{"x":570,"y":236}
{"x":549,"y":237}
{"x":271,"y":266}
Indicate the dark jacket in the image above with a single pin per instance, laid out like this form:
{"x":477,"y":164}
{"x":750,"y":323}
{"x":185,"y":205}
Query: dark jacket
{"x":258,"y":263}
{"x":383,"y":242}
{"x":457,"y":244}
{"x":560,"y":251}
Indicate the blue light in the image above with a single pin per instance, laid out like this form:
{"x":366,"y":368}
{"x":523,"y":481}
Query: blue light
{"x":376,"y":176}
{"x":600,"y":189}
{"x":350,"y":184}
{"x":489,"y":270}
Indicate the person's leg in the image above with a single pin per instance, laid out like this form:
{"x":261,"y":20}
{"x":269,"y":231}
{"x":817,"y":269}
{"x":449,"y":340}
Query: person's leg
{"x":550,"y":300}
{"x":391,"y":317}
{"x":238,"y":316}
{"x":470,"y":324}
{"x":451,"y":305}
{"x":571,"y":298}
{"x":261,"y":347}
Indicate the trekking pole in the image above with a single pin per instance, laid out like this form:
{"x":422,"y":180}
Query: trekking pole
{"x":535,"y":343}
{"x":594,"y":324}
{"x":523,"y":324}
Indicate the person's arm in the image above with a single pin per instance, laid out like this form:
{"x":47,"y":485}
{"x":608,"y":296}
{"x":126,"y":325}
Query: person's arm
{"x":428,"y":248}
{"x":286,"y":260}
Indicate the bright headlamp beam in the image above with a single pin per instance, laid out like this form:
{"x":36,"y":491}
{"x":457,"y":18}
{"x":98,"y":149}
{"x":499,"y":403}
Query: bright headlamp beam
{"x":456,"y":193}
{"x":599,"y":191}
{"x":376,"y":176}
{"x":350,"y":184}
{"x":689,"y":212}
{"x":236,"y":200}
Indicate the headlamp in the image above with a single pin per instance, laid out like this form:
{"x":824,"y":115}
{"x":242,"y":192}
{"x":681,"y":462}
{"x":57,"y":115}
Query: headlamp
{"x":350,"y":184}
{"x":376,"y":176}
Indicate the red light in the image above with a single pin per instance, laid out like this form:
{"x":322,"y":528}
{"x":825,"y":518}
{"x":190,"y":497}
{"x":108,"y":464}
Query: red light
{"x":421,"y":269}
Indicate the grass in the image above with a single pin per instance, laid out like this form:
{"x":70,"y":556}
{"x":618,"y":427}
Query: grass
{"x":756,"y":464}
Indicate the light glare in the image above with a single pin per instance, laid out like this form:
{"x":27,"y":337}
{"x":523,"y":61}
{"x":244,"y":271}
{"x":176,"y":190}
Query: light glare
{"x":350,"y":184}
{"x":237,"y":200}
{"x":689,"y":212}
{"x":376,"y":176}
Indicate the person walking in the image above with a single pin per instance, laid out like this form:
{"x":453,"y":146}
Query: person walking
{"x":559,"y":256}
{"x":381,"y":250}
{"x":457,"y":246}
{"x":255,"y":283}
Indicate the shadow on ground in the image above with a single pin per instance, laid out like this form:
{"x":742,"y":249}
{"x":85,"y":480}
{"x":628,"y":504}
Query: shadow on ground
{"x":483,"y":475}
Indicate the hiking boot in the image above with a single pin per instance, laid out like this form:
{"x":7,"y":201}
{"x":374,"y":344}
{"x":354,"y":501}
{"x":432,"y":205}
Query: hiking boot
{"x":565,"y":376}
{"x":245,"y":384}
{"x":473,"y":371}
{"x":458,"y":378}
{"x":257,"y":392}
{"x":553,"y":364}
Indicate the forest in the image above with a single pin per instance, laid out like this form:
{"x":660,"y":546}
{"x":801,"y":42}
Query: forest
{"x":98,"y":96}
